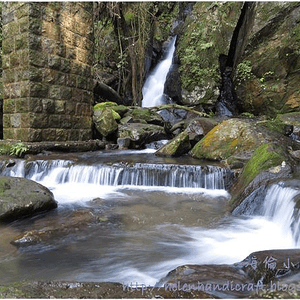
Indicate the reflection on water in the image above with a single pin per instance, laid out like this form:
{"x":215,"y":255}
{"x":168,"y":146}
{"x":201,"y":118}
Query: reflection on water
{"x":146,"y":228}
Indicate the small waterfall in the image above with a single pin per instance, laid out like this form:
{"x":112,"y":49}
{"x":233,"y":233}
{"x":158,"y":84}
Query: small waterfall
{"x":121,"y":174}
{"x":279,"y":206}
{"x":153,"y":90}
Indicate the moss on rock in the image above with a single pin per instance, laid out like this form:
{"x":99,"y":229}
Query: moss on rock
{"x":265,"y":157}
{"x":103,"y":105}
{"x":145,"y":114}
{"x":234,"y":137}
{"x":105,"y":121}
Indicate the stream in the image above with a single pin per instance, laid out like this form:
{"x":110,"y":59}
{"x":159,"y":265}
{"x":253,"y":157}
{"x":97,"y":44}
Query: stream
{"x":156,"y":214}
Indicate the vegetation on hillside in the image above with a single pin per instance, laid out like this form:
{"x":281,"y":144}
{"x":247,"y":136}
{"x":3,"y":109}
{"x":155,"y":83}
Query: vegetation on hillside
{"x":123,"y":33}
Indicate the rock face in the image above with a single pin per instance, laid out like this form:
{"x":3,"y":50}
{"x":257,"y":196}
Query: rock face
{"x":268,"y":76}
{"x":20,"y":197}
{"x":207,"y":34}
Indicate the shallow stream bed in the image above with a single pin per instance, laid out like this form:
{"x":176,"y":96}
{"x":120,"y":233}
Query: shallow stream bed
{"x":130,"y":232}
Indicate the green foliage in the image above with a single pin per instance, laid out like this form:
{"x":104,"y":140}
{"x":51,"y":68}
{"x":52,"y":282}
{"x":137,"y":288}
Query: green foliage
{"x":205,"y":37}
{"x":18,"y":149}
{"x":247,"y":115}
{"x":244,"y":71}
{"x":263,"y":79}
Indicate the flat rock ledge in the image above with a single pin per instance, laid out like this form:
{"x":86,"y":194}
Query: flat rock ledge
{"x":68,"y":146}
{"x":21,"y":197}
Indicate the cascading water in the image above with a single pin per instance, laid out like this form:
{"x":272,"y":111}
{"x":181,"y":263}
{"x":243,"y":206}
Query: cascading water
{"x":120,"y":174}
{"x":171,"y":215}
{"x":153,"y":90}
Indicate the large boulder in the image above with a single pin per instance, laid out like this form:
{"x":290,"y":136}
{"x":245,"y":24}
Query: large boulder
{"x":141,"y":134}
{"x":105,"y":121}
{"x":20,"y":197}
{"x":198,"y":128}
{"x":219,"y":281}
{"x":233,"y":138}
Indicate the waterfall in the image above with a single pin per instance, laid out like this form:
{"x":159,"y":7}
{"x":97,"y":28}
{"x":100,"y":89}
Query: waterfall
{"x":153,"y":90}
{"x":279,"y":206}
{"x":278,"y":227}
{"x":121,"y":174}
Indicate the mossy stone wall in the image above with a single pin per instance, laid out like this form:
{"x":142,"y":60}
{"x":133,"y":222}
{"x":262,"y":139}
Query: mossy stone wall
{"x":47,"y":74}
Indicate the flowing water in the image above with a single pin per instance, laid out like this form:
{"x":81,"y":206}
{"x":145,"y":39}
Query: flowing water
{"x":157,"y":214}
{"x":153,"y":89}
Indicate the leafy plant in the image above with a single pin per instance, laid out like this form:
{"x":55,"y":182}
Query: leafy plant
{"x":18,"y":149}
{"x":244,"y":71}
{"x":263,"y":79}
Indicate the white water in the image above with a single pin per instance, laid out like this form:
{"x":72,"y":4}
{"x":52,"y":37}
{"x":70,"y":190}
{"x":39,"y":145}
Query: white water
{"x":69,"y":182}
{"x":147,"y":255}
{"x":153,"y":90}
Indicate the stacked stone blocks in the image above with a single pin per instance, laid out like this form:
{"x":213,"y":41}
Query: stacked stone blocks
{"x":47,"y":71}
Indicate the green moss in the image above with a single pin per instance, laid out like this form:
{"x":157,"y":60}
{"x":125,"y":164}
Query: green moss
{"x":275,"y":125}
{"x":103,"y":105}
{"x":263,"y":158}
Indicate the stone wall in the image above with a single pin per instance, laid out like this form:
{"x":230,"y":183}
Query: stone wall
{"x":47,"y":74}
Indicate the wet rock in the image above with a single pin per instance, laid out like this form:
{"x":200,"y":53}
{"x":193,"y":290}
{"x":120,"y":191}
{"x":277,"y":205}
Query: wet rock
{"x":52,"y":228}
{"x":271,"y":265}
{"x":221,"y":281}
{"x":173,"y":113}
{"x":91,"y":290}
{"x":268,"y":163}
{"x":10,"y":163}
{"x":176,"y":147}
{"x":141,"y":134}
{"x":172,"y":85}
{"x":130,"y":119}
{"x":69,"y":146}
{"x":261,"y":272}
{"x":124,"y":143}
{"x":20,"y":197}
{"x":198,"y":128}
{"x":294,"y":154}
